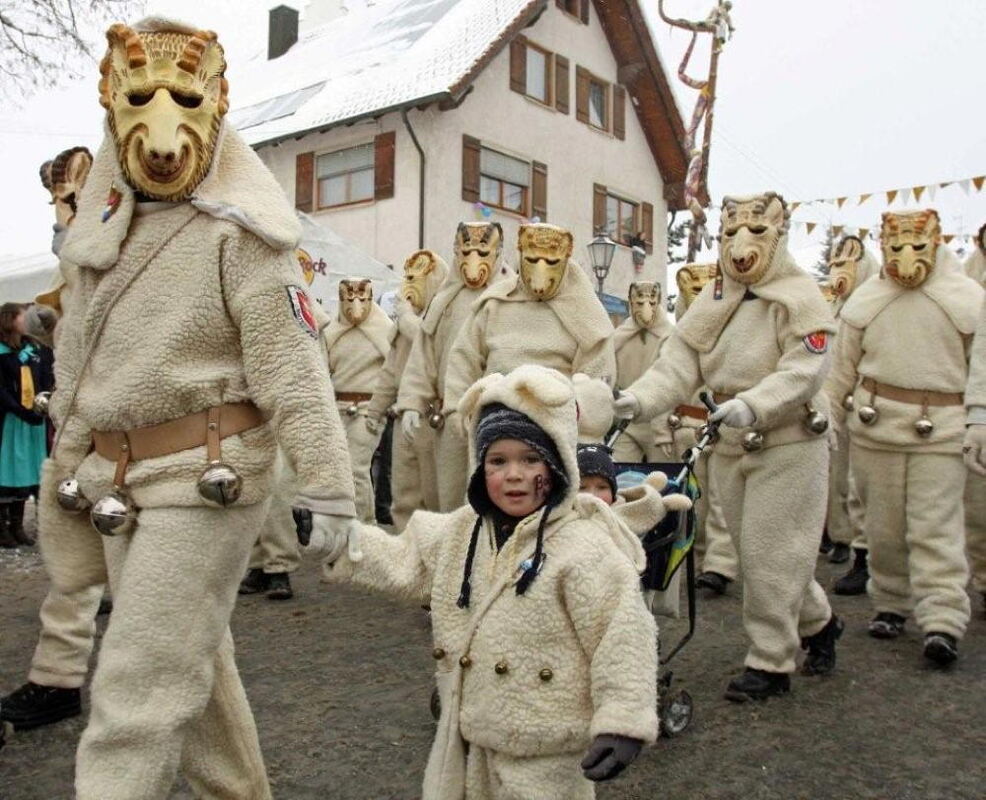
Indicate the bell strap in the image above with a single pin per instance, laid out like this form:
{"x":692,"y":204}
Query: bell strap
{"x":693,"y":412}
{"x":917,"y":397}
{"x":207,"y":427}
{"x":353,"y":397}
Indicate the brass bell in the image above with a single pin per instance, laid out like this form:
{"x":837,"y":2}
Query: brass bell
{"x":924,"y":427}
{"x":41,"y":402}
{"x":114,"y":514}
{"x":674,"y":421}
{"x":70,"y":497}
{"x":848,"y":402}
{"x":752,"y":441}
{"x":353,"y":410}
{"x":868,"y":415}
{"x":220,"y":484}
{"x":816,"y":422}
{"x":436,"y":420}
{"x":501,"y":668}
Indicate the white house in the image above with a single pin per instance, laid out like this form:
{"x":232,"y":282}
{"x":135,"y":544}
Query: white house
{"x":396,"y":121}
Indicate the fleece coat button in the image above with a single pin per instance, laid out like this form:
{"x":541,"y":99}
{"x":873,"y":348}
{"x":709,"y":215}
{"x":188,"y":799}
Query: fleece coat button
{"x":438,"y":654}
{"x":501,"y":668}
{"x":546,"y":674}
{"x":465,"y":662}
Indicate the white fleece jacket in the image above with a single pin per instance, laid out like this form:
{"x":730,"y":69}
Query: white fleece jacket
{"x":636,"y":350}
{"x":356,"y":352}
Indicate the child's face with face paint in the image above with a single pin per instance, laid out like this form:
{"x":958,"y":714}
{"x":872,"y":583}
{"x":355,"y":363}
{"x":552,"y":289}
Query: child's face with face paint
{"x":518,"y":480}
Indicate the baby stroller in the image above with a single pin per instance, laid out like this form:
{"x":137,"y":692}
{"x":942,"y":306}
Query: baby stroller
{"x":667,"y":547}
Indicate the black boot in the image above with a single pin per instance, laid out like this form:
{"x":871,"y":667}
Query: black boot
{"x":887,"y":625}
{"x":821,"y":648}
{"x":34,"y":705}
{"x":279,"y":586}
{"x":713,"y":581}
{"x":941,"y":648}
{"x":854,"y":581}
{"x":256,"y":581}
{"x":6,"y":540}
{"x":826,"y":544}
{"x":17,"y":531}
{"x":839,"y":554}
{"x":757,"y":684}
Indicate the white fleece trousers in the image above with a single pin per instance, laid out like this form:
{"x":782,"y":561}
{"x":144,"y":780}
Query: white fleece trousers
{"x":491,"y":775}
{"x":774,"y":504}
{"x":451,"y":467}
{"x":845,"y":511}
{"x":413,"y":481}
{"x":713,"y":544}
{"x":68,"y":626}
{"x":362,"y":444}
{"x":915,"y":531}
{"x":166,"y":693}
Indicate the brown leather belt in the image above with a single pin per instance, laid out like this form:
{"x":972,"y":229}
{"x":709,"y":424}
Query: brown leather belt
{"x":206,"y":427}
{"x":693,"y":412}
{"x":353,"y":397}
{"x":917,"y":397}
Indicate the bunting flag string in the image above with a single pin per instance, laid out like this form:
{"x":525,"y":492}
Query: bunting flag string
{"x":904,"y":193}
{"x":867,"y":233}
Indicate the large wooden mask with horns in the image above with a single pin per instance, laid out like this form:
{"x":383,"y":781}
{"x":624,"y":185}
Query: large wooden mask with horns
{"x":749,"y":232}
{"x":909,"y":241}
{"x":165,"y":95}
{"x":64,"y":176}
{"x":544,"y":253}
{"x":477,"y":252}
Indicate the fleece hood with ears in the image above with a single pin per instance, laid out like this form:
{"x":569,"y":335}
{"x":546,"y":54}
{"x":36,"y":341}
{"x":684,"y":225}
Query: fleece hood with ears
{"x":238,"y":188}
{"x":450,"y":288}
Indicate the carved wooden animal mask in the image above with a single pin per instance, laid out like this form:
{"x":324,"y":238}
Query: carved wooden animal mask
{"x":843,"y":264}
{"x":165,"y":95}
{"x":544,"y":253}
{"x":691,"y":278}
{"x":750,"y":230}
{"x":909,"y":242}
{"x":355,"y":299}
{"x":477,"y":251}
{"x":415,"y":286}
{"x":645,"y":301}
{"x":64,"y":176}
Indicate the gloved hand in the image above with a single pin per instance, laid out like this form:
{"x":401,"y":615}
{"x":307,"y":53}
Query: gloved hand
{"x":374,"y":426}
{"x":29,"y":416}
{"x":410,"y":422}
{"x":974,"y":449}
{"x":626,"y":406}
{"x":331,"y":535}
{"x":735,"y":414}
{"x":608,"y":755}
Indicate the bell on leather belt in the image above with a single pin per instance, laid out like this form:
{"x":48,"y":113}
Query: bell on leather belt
{"x":752,"y":441}
{"x":70,"y":497}
{"x":674,"y":421}
{"x":353,"y":410}
{"x":436,"y":420}
{"x":220,"y":484}
{"x":848,"y":402}
{"x":114,"y":514}
{"x":868,"y":415}
{"x":924,"y":427}
{"x":815,"y":422}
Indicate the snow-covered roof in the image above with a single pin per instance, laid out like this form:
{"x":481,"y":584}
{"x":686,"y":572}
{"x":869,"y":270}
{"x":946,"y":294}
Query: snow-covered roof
{"x":393,"y":54}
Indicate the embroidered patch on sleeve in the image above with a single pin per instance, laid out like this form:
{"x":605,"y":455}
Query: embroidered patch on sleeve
{"x":301,"y":307}
{"x":817,"y":342}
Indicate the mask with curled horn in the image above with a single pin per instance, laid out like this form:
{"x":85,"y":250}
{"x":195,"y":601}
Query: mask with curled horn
{"x":355,"y":299}
{"x":909,"y":242}
{"x":749,"y":232}
{"x":544,"y":253}
{"x":63,"y":177}
{"x":691,"y":279}
{"x":414,"y":287}
{"x":477,"y":252}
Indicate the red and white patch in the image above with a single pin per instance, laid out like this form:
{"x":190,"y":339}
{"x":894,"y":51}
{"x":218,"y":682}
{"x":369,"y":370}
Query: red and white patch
{"x":301,"y":307}
{"x":817,"y":342}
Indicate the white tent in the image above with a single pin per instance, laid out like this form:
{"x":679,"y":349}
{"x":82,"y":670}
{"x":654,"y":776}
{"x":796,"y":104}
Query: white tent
{"x":24,"y":277}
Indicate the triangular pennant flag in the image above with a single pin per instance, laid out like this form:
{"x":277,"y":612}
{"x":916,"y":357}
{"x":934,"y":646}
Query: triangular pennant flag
{"x":932,"y":191}
{"x":964,"y":185}
{"x":905,"y":195}
{"x":948,"y":238}
{"x":978,"y":182}
{"x":839,"y":201}
{"x":810,"y":226}
{"x":837,"y":229}
{"x":794,"y":206}
{"x":891,"y":196}
{"x":864,"y":197}
{"x":918,"y":191}
{"x":864,"y":232}
{"x":945,"y":185}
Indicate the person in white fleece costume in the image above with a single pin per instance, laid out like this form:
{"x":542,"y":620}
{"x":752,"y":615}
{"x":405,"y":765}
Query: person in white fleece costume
{"x":182,"y":236}
{"x":477,"y":264}
{"x":903,"y":353}
{"x":758,"y":337}
{"x":547,"y":314}
{"x":542,"y":643}
{"x":413,"y":477}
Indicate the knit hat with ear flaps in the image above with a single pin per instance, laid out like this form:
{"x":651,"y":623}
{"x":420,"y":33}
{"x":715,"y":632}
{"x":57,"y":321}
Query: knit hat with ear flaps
{"x":596,"y":459}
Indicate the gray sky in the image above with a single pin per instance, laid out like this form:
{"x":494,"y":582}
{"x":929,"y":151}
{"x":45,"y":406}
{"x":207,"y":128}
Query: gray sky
{"x":815,"y":100}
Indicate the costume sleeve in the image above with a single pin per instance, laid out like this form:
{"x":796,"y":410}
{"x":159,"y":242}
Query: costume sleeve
{"x":672,"y":379}
{"x":599,"y":361}
{"x":975,"y":393}
{"x":619,"y":636}
{"x":385,"y":389}
{"x":467,"y":360}
{"x":419,"y":384}
{"x":845,"y":369}
{"x":285,"y":371}
{"x":403,"y":566}
{"x":798,"y":377}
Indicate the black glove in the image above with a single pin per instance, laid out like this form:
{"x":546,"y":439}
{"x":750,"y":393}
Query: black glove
{"x":608,"y":755}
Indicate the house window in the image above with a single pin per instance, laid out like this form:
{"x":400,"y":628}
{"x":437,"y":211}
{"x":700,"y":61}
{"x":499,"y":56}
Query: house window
{"x":345,"y":176}
{"x":597,"y":105}
{"x":538,"y":74}
{"x":622,"y":219}
{"x":503,"y":181}
{"x":577,"y":8}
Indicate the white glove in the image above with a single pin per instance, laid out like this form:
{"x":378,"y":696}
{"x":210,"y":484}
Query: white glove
{"x":410,"y":422}
{"x":626,"y":406}
{"x":734,"y":414}
{"x":332,"y":534}
{"x":974,"y":449}
{"x":374,"y":426}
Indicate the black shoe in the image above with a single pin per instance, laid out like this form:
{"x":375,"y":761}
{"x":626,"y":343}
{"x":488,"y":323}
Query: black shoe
{"x":757,"y":684}
{"x":854,"y":581}
{"x":16,"y":522}
{"x":34,"y":705}
{"x":279,"y":586}
{"x":942,"y":648}
{"x":105,"y":606}
{"x":839,"y":554}
{"x":887,"y":625}
{"x":826,"y":544}
{"x":256,"y":581}
{"x":713,"y":581}
{"x":821,"y":648}
{"x":6,"y":540}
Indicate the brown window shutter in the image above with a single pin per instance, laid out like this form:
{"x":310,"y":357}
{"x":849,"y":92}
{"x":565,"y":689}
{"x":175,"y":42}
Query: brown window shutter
{"x":539,"y":191}
{"x":304,"y":181}
{"x":581,"y":95}
{"x":470,"y":169}
{"x":518,"y":65}
{"x":561,"y":84}
{"x":647,"y":225}
{"x":383,"y":177}
{"x":619,"y":112}
{"x":584,"y":11}
{"x":598,"y":208}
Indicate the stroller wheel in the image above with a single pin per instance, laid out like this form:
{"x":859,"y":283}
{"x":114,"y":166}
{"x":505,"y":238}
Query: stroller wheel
{"x":675,"y":713}
{"x":435,"y":704}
